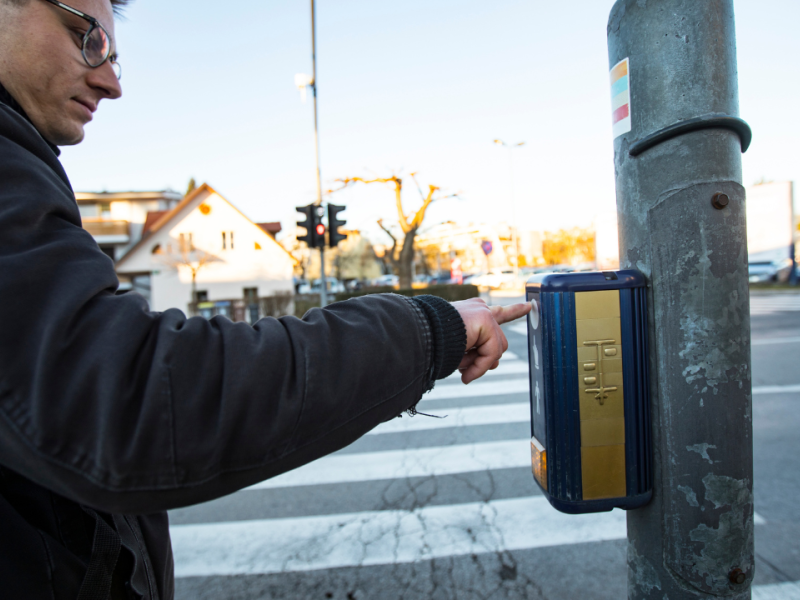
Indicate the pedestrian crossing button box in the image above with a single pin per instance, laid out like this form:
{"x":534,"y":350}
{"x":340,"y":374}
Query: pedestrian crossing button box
{"x":590,"y":407}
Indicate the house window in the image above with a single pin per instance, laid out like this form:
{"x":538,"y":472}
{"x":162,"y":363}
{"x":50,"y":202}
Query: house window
{"x":227,"y":240}
{"x":88,"y":211}
{"x":186,"y":243}
{"x":104,"y":208}
{"x":251,"y":295}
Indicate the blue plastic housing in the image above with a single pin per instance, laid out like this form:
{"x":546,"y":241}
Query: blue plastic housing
{"x":557,"y":338}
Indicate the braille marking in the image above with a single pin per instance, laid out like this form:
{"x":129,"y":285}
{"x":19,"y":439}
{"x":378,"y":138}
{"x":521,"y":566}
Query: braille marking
{"x":602,"y":391}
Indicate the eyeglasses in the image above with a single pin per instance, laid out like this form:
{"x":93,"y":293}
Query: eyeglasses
{"x":96,"y":47}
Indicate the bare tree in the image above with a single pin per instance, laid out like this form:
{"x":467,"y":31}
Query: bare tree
{"x":187,"y":256}
{"x":402,"y":255}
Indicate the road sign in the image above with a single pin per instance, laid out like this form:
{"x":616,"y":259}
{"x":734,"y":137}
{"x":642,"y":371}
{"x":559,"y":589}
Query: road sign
{"x":455,"y":271}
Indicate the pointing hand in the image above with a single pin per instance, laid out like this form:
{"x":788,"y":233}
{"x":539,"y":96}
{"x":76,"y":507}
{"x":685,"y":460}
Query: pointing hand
{"x":486,"y":342}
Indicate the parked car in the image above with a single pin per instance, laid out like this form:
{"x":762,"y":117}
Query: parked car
{"x":333,"y":285}
{"x":776,"y":270}
{"x":421,"y":281}
{"x":495,"y":279}
{"x":386,"y":281}
{"x":440,"y":280}
{"x":354,"y":285}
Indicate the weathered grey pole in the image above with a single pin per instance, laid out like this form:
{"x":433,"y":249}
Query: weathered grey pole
{"x":324,"y":293}
{"x":681,"y":210}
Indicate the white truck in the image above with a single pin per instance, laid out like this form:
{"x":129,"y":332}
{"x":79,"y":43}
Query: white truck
{"x":770,"y":231}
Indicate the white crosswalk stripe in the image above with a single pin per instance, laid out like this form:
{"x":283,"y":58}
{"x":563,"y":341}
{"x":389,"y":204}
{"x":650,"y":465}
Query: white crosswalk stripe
{"x":479,"y":388}
{"x":383,"y":537}
{"x":414,"y":462}
{"x":788,"y":590}
{"x":493,"y":414}
{"x":506,"y":367}
{"x":774,"y":303}
{"x":346,"y":538}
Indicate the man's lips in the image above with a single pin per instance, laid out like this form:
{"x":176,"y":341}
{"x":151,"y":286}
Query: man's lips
{"x":88,"y":107}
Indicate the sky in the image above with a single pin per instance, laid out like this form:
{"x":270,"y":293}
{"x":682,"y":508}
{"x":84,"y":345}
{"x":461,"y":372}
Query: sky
{"x":412,"y":86}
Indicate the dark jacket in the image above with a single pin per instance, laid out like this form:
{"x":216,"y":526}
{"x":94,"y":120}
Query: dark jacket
{"x":111,"y":414}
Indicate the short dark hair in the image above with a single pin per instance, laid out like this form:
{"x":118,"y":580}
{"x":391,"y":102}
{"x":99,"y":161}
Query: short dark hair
{"x":117,"y":5}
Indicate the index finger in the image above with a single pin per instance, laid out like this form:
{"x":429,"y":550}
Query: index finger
{"x":505,"y":314}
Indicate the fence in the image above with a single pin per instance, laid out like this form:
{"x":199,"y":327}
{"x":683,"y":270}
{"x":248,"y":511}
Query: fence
{"x":240,"y":309}
{"x":286,"y":303}
{"x":451,"y":293}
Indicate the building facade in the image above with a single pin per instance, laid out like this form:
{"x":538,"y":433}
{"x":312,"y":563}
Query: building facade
{"x":204,"y":252}
{"x":117,"y":220}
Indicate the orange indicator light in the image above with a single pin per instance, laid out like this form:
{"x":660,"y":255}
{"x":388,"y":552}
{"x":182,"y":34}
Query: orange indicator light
{"x":539,"y":462}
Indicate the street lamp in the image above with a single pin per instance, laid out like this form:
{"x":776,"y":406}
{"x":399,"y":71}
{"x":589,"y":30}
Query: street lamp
{"x":514,"y":237}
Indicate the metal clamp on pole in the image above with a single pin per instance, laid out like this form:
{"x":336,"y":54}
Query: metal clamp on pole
{"x":711,"y":121}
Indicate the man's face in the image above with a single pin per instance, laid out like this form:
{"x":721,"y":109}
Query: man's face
{"x":42,"y":67}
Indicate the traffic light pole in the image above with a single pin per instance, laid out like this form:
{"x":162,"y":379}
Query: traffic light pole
{"x":681,"y":211}
{"x":324,"y":296}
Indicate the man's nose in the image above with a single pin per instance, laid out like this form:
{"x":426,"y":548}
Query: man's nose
{"x":104,"y":79}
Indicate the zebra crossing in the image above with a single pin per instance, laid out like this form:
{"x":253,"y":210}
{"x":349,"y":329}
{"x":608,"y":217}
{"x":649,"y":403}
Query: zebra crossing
{"x":448,"y":503}
{"x":767,"y":304}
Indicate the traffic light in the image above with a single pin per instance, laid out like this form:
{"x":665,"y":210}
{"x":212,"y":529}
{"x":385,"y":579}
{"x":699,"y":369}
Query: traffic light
{"x":334,"y":237}
{"x":309,"y":223}
{"x":319,"y":227}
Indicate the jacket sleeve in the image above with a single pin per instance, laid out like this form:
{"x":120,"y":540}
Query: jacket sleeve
{"x":132,"y":411}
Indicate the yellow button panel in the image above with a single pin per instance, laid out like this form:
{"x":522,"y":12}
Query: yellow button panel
{"x":600,"y":383}
{"x":603,"y":472}
{"x":602,"y":432}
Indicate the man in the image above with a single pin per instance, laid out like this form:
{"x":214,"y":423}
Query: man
{"x":111,"y":414}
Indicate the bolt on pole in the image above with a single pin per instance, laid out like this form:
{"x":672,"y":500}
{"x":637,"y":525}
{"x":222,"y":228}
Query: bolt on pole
{"x":681,"y":211}
{"x":324,"y":294}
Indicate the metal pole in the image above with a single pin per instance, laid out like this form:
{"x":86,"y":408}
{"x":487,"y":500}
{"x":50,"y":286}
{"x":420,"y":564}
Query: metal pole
{"x":681,"y":211}
{"x":793,"y":250}
{"x":324,"y":296}
{"x":514,"y":233}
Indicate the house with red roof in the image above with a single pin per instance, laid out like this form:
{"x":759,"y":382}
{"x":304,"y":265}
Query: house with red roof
{"x":204,"y":256}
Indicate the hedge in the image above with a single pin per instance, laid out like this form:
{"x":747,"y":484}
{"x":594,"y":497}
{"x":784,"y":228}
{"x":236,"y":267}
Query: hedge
{"x":451,"y":293}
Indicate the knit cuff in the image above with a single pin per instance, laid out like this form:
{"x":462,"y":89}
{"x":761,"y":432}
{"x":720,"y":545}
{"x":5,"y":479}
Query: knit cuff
{"x":449,"y":334}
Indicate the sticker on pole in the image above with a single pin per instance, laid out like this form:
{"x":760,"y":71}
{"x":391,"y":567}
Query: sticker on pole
{"x":620,"y":99}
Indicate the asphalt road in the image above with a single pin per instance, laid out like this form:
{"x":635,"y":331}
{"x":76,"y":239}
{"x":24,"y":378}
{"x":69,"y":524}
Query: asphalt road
{"x":447,"y":509}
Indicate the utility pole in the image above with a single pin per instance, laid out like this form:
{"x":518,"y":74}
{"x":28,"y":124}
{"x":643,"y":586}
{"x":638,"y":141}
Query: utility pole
{"x":681,"y":210}
{"x":324,"y":296}
{"x":514,"y":233}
